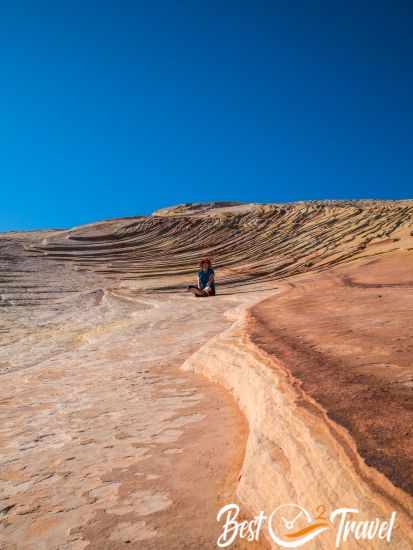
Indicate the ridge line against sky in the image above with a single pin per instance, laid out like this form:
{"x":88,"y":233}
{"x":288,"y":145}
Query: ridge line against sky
{"x":119,"y":110}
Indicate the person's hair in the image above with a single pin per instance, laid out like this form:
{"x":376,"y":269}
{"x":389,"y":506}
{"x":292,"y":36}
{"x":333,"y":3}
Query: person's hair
{"x":205,"y":261}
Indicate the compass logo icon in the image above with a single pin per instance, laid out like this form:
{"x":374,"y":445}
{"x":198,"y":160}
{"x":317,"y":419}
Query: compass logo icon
{"x":291,"y":525}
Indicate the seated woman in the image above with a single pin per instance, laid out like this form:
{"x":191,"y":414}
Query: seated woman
{"x":206,"y":283}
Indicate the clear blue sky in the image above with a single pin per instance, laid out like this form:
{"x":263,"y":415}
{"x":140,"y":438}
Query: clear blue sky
{"x":119,"y":108}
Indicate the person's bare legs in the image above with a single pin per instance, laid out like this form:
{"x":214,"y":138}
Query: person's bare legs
{"x":197,"y":292}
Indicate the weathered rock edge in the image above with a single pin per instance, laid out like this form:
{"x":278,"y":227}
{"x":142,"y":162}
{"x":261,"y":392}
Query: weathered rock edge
{"x":294,"y":452}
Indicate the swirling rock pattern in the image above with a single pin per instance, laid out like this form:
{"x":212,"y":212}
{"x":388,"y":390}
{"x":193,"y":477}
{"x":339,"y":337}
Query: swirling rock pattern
{"x":95,"y":322}
{"x":249,"y":244}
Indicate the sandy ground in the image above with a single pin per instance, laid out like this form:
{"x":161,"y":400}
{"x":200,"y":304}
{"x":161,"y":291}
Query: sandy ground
{"x":109,"y":435}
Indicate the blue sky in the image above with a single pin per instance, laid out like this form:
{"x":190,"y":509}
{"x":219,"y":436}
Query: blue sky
{"x":116,"y":109}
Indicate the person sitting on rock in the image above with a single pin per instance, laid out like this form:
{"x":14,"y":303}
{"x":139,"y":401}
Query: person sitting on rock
{"x":206,"y":283}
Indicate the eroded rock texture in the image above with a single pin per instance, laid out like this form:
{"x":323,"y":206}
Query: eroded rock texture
{"x":105,"y":442}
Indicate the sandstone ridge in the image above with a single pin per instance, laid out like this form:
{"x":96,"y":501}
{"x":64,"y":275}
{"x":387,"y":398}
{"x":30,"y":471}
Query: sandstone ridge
{"x":309,"y":334}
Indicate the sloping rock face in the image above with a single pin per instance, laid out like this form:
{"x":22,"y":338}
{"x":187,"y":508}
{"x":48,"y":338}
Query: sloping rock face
{"x":248,"y":244}
{"x":106,"y":442}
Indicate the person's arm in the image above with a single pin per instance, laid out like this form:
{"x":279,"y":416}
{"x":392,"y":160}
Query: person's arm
{"x":211,"y":280}
{"x":199,"y":282}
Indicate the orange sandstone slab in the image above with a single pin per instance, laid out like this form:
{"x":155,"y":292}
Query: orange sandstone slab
{"x":346,"y":336}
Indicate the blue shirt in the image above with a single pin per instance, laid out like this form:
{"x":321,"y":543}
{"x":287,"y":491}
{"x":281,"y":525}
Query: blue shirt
{"x":204,"y":277}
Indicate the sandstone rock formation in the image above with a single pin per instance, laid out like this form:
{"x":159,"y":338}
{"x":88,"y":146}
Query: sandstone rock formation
{"x":105,"y":441}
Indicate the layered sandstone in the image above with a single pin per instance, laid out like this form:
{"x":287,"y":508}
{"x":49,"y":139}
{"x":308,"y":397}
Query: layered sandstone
{"x":105,"y":442}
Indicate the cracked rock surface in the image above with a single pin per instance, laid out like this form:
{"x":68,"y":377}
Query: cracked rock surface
{"x":106,"y":443}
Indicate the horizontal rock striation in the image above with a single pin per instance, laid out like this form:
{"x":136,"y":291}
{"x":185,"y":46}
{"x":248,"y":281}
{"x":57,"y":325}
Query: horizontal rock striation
{"x":309,"y":331}
{"x":248,"y":244}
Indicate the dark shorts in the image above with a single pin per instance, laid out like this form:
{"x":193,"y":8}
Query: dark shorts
{"x":210,"y":293}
